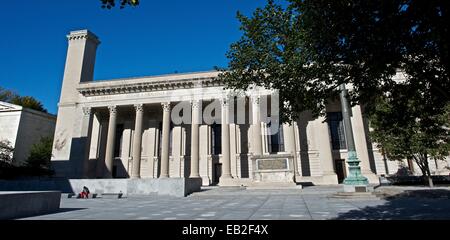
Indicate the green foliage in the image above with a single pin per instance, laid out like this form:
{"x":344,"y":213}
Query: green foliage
{"x":26,"y":101}
{"x":6,"y":95}
{"x":407,"y":125}
{"x":40,"y":154}
{"x":311,"y":47}
{"x":112,"y":3}
{"x":6,"y":153}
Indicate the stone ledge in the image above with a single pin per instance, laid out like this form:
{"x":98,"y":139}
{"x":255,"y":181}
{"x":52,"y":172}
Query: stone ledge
{"x":179,"y":187}
{"x":26,"y":204}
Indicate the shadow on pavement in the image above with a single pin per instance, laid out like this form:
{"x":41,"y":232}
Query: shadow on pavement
{"x":62,"y":210}
{"x":409,"y":204}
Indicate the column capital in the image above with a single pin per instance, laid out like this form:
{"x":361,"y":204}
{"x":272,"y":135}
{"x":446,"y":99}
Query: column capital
{"x":87,"y":111}
{"x":139,"y":107}
{"x":112,"y":109}
{"x":166,"y":106}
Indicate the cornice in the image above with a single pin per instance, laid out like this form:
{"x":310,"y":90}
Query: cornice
{"x":144,"y":85}
{"x":83,"y":35}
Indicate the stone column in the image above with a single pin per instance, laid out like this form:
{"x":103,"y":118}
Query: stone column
{"x":256,"y":126}
{"x":85,"y":136}
{"x":226,"y":162}
{"x":326,"y":158}
{"x":165,"y":140}
{"x":361,"y":144}
{"x":110,"y":141}
{"x":196,"y":121}
{"x":137,"y":141}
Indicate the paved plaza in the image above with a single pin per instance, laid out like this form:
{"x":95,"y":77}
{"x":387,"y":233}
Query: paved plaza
{"x":316,"y":203}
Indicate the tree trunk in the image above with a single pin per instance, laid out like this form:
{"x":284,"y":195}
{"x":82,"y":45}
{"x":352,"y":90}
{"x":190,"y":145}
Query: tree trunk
{"x":427,"y":171}
{"x":430,"y":182}
{"x":422,"y":161}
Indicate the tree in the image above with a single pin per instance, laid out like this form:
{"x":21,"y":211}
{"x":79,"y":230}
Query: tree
{"x":28,"y":102}
{"x":411,"y":133}
{"x":6,"y":153}
{"x":309,"y":48}
{"x":40,"y":154}
{"x":6,"y":95}
{"x":112,"y":3}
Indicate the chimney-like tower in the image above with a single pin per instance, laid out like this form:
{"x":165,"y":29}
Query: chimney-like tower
{"x":80,"y":63}
{"x":70,"y":143}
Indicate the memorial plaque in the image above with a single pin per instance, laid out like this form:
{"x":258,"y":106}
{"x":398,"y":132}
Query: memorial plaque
{"x":272,"y":164}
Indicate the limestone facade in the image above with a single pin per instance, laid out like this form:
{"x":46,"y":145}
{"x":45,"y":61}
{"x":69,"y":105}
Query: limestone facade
{"x":23,"y":127}
{"x":188,"y":126}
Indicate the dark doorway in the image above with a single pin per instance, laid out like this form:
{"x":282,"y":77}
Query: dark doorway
{"x":217,"y":172}
{"x":114,"y":171}
{"x":340,"y":169}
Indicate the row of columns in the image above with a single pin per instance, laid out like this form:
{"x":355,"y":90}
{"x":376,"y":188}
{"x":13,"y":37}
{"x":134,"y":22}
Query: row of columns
{"x":137,"y":140}
{"x":196,"y":108}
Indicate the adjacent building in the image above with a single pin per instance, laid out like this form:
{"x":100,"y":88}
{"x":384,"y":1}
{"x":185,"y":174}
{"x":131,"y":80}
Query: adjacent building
{"x":23,"y":127}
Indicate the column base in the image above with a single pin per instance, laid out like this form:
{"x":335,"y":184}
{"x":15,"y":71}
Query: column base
{"x":330,"y":178}
{"x":164,"y":176}
{"x":297,"y":177}
{"x":206,"y":181}
{"x":371,"y":177}
{"x":227,"y":182}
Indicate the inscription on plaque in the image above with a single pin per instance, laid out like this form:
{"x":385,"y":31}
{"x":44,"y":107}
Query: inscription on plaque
{"x":272,"y":164}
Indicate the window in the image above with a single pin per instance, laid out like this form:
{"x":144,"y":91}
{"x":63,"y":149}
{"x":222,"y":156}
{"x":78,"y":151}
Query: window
{"x":216,"y":139}
{"x":336,"y":125}
{"x":118,"y":141}
{"x":275,"y":141}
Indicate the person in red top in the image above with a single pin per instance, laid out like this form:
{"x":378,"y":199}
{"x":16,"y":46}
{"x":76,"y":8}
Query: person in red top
{"x":84,"y":193}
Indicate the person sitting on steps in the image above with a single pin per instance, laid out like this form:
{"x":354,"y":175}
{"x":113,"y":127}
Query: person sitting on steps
{"x":84,"y":193}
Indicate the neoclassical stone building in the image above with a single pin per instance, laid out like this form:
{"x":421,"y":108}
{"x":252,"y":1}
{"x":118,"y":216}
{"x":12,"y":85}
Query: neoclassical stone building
{"x":130,"y":128}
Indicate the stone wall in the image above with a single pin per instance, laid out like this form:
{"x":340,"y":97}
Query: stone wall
{"x":178,"y":187}
{"x":26,"y":204}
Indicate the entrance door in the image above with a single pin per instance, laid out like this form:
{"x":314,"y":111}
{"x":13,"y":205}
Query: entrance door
{"x":340,"y":169}
{"x":217,"y":172}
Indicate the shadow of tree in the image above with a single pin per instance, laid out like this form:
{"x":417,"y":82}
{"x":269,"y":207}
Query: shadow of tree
{"x":407,"y":205}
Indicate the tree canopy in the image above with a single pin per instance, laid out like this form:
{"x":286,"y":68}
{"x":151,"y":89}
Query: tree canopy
{"x":309,"y":48}
{"x":123,"y":3}
{"x":404,"y":127}
{"x":24,"y":101}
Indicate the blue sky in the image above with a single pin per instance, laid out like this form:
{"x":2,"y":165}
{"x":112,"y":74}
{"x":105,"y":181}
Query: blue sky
{"x":158,"y":37}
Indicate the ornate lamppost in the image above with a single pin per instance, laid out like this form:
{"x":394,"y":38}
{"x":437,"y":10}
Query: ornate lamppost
{"x":355,"y":181}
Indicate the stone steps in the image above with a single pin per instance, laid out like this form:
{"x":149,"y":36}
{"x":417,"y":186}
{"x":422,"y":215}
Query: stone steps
{"x":356,"y":195}
{"x":273,"y":185}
